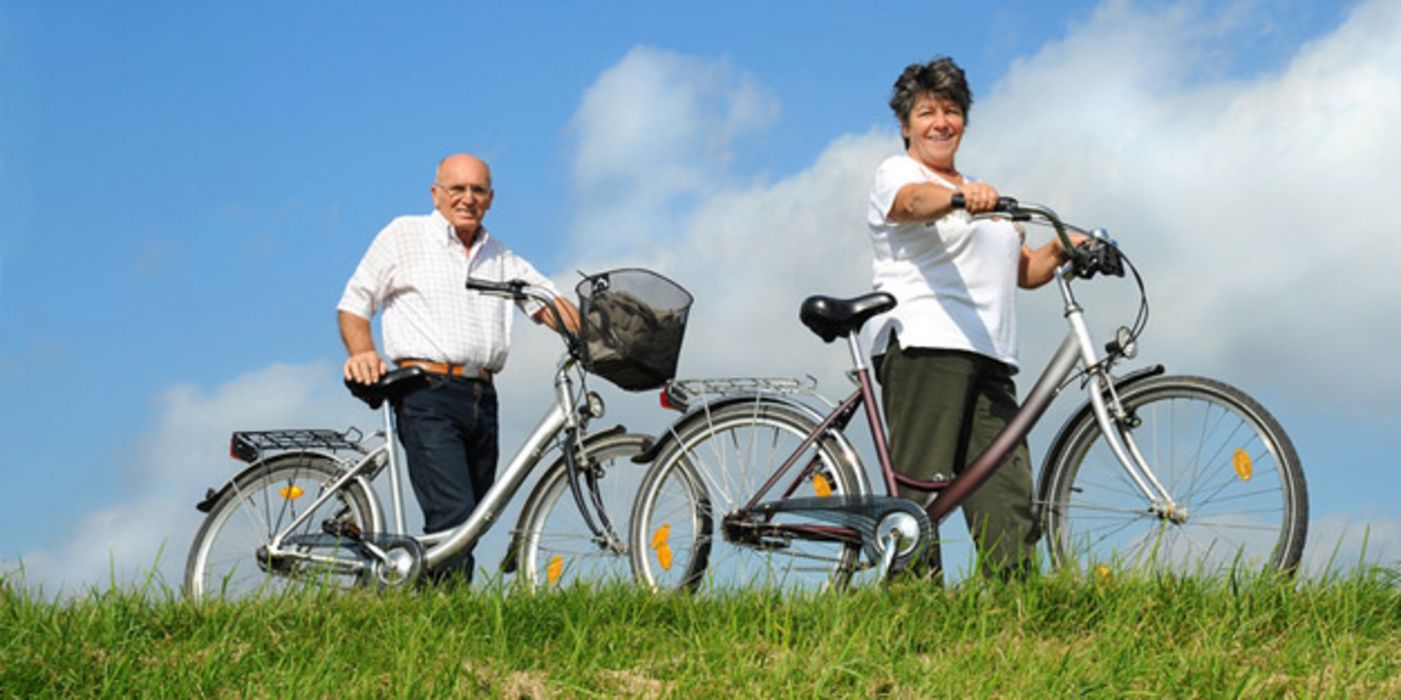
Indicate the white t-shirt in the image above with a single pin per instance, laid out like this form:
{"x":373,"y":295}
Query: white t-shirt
{"x":955,"y":279}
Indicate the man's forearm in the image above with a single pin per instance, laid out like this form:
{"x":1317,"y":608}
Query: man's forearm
{"x":355,"y":333}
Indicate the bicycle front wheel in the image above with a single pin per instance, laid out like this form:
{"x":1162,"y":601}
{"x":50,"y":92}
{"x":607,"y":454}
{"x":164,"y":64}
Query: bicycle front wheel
{"x":228,"y":558}
{"x":1238,"y":500}
{"x":680,"y":539}
{"x":554,"y":545}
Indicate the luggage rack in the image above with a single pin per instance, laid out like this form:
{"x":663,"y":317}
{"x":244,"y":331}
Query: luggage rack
{"x":249,"y":445}
{"x":681,"y":393}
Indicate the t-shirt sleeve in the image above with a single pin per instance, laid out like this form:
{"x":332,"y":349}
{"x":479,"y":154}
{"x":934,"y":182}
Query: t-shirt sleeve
{"x":895,"y":172}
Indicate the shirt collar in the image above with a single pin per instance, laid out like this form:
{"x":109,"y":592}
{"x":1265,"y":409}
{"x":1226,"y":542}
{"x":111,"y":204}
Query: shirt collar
{"x":442,"y":224}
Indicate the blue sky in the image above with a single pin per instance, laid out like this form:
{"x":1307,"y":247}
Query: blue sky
{"x":184,"y":190}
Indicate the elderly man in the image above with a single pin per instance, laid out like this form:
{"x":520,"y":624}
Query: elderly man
{"x":415,"y":273}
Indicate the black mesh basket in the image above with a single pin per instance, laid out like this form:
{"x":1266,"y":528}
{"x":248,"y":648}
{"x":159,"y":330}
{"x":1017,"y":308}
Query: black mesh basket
{"x":633,"y":322}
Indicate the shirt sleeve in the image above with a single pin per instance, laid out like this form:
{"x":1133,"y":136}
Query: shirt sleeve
{"x":371,"y":282}
{"x":519,"y":268}
{"x":892,"y":174}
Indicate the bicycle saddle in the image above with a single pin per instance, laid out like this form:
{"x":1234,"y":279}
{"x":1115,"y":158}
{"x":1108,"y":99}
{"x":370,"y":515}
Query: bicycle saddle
{"x":393,"y":385}
{"x":831,"y":318}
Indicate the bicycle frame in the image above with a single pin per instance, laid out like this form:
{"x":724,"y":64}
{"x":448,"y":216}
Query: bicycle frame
{"x":442,"y":545}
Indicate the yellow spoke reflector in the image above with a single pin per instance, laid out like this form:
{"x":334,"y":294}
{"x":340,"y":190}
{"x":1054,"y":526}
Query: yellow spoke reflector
{"x":1244,"y":467}
{"x":664,"y":556}
{"x":1102,"y":573}
{"x":821,"y":486}
{"x":291,"y":493}
{"x":555,"y":568}
{"x":660,"y":537}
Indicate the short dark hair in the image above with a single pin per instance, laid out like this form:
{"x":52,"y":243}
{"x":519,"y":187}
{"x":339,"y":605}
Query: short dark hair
{"x":940,"y":78}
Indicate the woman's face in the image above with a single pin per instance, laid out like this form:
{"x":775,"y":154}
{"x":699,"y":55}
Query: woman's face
{"x":935,"y":128}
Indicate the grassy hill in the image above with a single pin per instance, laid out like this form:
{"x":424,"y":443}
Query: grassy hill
{"x":1058,"y":636}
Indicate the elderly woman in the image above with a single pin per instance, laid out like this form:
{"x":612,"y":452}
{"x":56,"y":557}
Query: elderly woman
{"x":946,"y":354}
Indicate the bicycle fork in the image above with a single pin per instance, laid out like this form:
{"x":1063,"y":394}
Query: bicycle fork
{"x":1114,"y":422}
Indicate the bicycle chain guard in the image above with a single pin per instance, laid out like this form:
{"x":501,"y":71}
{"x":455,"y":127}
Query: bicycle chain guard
{"x":864,"y":514}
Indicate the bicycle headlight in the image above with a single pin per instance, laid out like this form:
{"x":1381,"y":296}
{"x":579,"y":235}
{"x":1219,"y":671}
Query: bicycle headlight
{"x":594,"y":405}
{"x":1124,"y":339}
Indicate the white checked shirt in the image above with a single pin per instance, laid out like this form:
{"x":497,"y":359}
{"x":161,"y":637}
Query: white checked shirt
{"x":416,"y":272}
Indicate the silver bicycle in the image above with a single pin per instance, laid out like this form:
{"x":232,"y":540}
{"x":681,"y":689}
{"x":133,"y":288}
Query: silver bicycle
{"x":306,"y":510}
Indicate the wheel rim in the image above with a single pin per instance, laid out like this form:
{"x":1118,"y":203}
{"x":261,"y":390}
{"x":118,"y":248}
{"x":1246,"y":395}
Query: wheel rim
{"x":680,"y":538}
{"x":226,"y":561}
{"x":559,"y":549}
{"x":1223,"y":466}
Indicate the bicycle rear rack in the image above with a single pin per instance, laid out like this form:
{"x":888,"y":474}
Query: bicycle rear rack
{"x":681,"y":393}
{"x":250,"y":445}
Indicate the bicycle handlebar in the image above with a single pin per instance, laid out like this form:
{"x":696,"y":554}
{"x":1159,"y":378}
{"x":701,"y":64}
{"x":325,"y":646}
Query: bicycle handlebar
{"x":520,"y":290}
{"x":1099,"y":254}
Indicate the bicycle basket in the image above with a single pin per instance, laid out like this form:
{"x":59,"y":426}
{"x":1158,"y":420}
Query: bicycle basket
{"x":632,"y":324}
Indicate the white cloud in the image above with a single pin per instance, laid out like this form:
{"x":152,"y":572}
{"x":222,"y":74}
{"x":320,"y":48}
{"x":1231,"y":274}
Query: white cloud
{"x":656,"y":127}
{"x":1339,"y":544}
{"x":1254,"y":207}
{"x":184,"y":452}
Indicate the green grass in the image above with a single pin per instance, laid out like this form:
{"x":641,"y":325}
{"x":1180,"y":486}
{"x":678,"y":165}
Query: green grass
{"x":1057,"y":636}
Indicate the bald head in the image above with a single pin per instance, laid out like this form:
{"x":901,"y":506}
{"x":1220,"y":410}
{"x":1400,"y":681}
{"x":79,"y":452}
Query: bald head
{"x":462,"y":192}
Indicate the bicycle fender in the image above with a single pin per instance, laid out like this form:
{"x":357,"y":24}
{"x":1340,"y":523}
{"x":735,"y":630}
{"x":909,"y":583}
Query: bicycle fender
{"x":212,"y":496}
{"x":508,"y":560}
{"x":1062,"y":435}
{"x":698,"y":413}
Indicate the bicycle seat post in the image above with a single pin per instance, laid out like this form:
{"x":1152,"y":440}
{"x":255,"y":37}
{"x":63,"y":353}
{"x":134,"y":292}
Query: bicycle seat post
{"x":396,"y":495}
{"x":858,"y":362}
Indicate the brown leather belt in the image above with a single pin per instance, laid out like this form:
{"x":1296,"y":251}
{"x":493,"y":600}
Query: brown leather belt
{"x":447,"y":368}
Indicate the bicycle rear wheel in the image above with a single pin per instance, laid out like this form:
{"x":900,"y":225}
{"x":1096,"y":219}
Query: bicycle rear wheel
{"x":1238,"y":487}
{"x":225,"y":560}
{"x":554,"y":547}
{"x":716,"y":463}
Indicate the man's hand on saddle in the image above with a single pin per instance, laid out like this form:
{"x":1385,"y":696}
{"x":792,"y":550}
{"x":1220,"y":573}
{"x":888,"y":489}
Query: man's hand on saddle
{"x":365,"y":367}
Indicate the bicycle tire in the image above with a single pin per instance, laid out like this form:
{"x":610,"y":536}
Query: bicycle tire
{"x":554,"y":547}
{"x":223,"y":561}
{"x":1220,"y":455}
{"x":714,"y":465}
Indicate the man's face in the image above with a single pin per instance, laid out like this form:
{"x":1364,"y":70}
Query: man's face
{"x":463,"y":193}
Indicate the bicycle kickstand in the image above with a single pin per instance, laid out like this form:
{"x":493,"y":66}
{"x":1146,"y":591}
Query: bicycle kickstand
{"x":891,"y":545}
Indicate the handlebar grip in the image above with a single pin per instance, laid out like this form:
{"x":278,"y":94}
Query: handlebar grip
{"x":1004,"y":204}
{"x":512,"y":288}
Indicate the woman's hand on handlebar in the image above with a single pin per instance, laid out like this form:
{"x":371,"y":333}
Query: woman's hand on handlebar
{"x":978,"y":197}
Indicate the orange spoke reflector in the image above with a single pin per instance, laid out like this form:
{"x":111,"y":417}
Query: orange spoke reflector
{"x":555,"y":568}
{"x":660,"y":546}
{"x":1244,"y":467}
{"x":660,"y":537}
{"x":291,"y":493}
{"x":821,"y":486}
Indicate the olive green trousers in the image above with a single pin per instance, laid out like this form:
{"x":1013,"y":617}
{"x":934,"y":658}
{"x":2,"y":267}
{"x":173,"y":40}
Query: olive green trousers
{"x":943,"y":408}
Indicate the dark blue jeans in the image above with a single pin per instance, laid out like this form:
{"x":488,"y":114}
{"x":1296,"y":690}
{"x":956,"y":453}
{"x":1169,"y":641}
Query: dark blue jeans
{"x":449,"y":433}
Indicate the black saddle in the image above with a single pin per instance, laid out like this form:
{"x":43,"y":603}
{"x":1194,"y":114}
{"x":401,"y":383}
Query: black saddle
{"x":831,"y":318}
{"x":392,"y":386}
